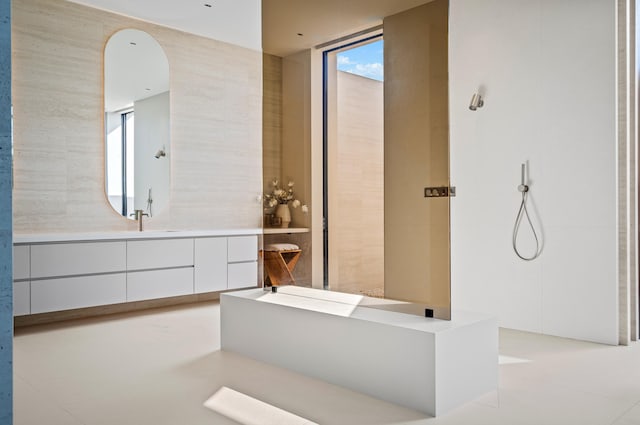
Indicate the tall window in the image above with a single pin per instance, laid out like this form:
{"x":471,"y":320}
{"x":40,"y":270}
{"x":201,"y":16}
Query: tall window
{"x":120,"y":138}
{"x":354,"y":167}
{"x":366,"y":60}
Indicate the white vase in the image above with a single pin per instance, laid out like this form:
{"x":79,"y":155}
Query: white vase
{"x":283,"y":212}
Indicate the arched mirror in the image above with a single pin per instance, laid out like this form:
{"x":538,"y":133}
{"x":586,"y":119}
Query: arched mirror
{"x":136,"y":104}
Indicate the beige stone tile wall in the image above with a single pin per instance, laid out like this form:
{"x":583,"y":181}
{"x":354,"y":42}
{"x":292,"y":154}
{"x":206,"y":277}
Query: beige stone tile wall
{"x":356,"y":222}
{"x":286,"y":152}
{"x":216,"y":124}
{"x":296,"y":130}
{"x":271,"y":119}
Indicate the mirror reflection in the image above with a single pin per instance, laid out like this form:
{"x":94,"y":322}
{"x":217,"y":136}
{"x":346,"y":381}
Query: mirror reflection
{"x":137,"y":142}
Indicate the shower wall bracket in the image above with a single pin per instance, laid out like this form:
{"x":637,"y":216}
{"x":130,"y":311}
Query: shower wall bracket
{"x":439,"y":192}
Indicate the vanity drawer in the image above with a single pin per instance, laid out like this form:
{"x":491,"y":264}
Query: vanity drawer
{"x":242,"y":248}
{"x":21,"y":267}
{"x":68,"y":259}
{"x":154,"y":284}
{"x":210,"y":268}
{"x":77,"y":292}
{"x":21,"y":298}
{"x":162,"y":253}
{"x":243,"y":275}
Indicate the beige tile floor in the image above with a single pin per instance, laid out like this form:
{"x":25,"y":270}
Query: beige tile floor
{"x":160,"y":366}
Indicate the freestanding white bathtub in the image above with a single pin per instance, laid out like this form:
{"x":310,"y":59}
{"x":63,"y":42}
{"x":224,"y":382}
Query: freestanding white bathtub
{"x":423,"y":363}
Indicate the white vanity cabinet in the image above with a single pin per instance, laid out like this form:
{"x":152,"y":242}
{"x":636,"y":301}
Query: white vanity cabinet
{"x":67,"y":293}
{"x":210,"y":272}
{"x":21,"y":298}
{"x":159,"y":254}
{"x":242,"y":249}
{"x":72,"y":259}
{"x":77,"y":275}
{"x":159,"y":268}
{"x":53,"y":273}
{"x":226,"y":263}
{"x":21,"y":284}
{"x":242,"y":269}
{"x":152,"y":284}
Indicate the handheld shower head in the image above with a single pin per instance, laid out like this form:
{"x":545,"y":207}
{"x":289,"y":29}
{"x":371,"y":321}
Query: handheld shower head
{"x":160,"y":153}
{"x":476,"y":102}
{"x":523,"y":187}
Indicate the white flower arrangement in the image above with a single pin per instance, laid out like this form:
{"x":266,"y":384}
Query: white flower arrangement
{"x":283,"y":196}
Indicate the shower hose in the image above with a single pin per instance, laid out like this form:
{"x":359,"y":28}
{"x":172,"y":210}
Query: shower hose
{"x":522,"y":212}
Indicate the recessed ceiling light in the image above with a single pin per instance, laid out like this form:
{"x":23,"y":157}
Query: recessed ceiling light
{"x":207,"y":5}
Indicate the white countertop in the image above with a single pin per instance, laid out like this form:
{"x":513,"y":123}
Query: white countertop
{"x":109,"y":236}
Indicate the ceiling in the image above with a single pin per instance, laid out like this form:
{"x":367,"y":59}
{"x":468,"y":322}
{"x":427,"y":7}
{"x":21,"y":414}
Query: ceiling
{"x":320,"y":21}
{"x":238,"y":21}
{"x":233,"y":21}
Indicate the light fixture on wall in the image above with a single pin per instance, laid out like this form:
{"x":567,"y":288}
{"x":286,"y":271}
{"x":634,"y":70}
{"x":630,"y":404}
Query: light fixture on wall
{"x":160,"y":153}
{"x":476,"y":102}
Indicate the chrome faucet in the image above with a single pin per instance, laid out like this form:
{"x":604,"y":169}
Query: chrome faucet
{"x":138,"y":217}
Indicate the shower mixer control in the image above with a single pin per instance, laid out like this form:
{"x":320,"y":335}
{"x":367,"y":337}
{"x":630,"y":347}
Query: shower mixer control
{"x":439,"y":192}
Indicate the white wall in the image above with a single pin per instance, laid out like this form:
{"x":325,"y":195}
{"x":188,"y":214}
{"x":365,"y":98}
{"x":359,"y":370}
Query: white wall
{"x":547,"y":70}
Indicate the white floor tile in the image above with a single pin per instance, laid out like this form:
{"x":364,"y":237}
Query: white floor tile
{"x":32,"y":407}
{"x":159,"y":367}
{"x":631,"y":417}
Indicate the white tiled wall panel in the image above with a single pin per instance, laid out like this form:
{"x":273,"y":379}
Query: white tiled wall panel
{"x":547,"y":72}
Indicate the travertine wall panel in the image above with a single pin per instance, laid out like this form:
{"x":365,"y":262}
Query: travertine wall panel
{"x":272,"y":119}
{"x":357,"y":224}
{"x":216,"y":124}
